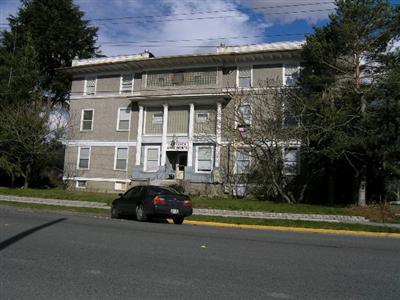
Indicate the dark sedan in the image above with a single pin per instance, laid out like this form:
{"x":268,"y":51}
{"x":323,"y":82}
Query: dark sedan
{"x":149,"y":201}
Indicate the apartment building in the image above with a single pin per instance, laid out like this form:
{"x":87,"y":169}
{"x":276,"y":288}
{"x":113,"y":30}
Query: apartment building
{"x":141,"y":118}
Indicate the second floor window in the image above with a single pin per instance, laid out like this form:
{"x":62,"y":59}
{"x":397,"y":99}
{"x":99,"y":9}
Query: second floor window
{"x":90,"y":86}
{"x":292,"y":73}
{"x":126,"y":83}
{"x":244,"y":116}
{"x":121,"y":158}
{"x":244,"y":77}
{"x":84,"y":158}
{"x":124,"y":118}
{"x":87,"y":120}
{"x":157,"y":118}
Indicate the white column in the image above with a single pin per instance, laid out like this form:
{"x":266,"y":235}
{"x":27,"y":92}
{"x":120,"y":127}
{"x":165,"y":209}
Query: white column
{"x":190,"y":141}
{"x":218,"y":135}
{"x":139,"y":136}
{"x":164,"y":135}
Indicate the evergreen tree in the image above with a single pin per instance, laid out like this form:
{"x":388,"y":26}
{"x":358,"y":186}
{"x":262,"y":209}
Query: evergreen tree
{"x":59,"y":34}
{"x":341,"y":62}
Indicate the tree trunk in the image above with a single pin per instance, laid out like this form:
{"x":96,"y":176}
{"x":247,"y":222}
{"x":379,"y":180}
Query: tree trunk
{"x":12,"y":179}
{"x":331,"y":190}
{"x":27,"y":176}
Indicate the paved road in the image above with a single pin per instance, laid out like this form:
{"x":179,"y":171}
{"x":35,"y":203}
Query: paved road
{"x":65,"y":256}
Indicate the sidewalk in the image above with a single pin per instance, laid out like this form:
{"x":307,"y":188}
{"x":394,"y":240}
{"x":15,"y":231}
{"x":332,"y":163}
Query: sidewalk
{"x":207,"y":212}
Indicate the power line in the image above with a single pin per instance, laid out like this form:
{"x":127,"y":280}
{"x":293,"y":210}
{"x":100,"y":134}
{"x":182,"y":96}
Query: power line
{"x":208,"y":12}
{"x":212,"y":11}
{"x":206,"y":39}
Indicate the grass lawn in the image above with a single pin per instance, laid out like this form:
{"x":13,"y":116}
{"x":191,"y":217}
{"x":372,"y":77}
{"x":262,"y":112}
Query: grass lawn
{"x":229,"y":220}
{"x":60,"y":194}
{"x":372,"y":213}
{"x":300,"y":224}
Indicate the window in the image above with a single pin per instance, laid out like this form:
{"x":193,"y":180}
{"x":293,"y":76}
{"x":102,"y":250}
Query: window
{"x":120,"y":186}
{"x":244,"y":77}
{"x":177,"y":78}
{"x":121,"y":158}
{"x":244,"y":117}
{"x":90,"y":86}
{"x":84,"y":158}
{"x":126,"y":83}
{"x":157,"y":118}
{"x":124,"y":118}
{"x":81,"y":184}
{"x":292,"y":73}
{"x":290,"y":159}
{"x":201,"y":117}
{"x":242,"y":161}
{"x":152,"y":159}
{"x":204,"y":159}
{"x":87,"y":119}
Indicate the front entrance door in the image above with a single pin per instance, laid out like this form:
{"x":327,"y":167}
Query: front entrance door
{"x":181,"y":162}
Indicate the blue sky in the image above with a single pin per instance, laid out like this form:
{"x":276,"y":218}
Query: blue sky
{"x":194,"y":25}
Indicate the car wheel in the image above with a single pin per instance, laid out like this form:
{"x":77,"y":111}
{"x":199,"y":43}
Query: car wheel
{"x":114,"y":212}
{"x":140,"y":213}
{"x":178,"y":219}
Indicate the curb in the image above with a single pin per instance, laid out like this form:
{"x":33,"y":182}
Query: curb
{"x":296,"y":229}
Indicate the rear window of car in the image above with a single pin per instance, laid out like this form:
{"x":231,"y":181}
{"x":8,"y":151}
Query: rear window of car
{"x":155,"y":190}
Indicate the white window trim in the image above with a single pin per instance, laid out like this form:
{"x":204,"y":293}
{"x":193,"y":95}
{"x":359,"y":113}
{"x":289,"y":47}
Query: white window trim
{"x":144,"y":124}
{"x":82,"y":113}
{"x":79,"y":158}
{"x":95,"y":85}
{"x":238,"y":111}
{"x":205,"y":113}
{"x":120,"y":182}
{"x":115,"y":158}
{"x":235,"y":171}
{"x":251,"y":76}
{"x":79,"y":187}
{"x":196,"y":162}
{"x":118,"y":119}
{"x":162,"y":119}
{"x":297,"y":160}
{"x":132,"y":84}
{"x":145,"y":157}
{"x":284,"y":71}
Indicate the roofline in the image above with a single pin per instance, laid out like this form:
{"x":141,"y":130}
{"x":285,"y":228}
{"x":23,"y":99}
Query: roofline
{"x":221,"y":53}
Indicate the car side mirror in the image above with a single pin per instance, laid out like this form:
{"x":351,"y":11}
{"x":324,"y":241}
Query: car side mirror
{"x":120,"y":194}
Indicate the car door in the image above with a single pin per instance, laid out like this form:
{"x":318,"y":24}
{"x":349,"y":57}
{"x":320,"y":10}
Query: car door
{"x":133,"y":198}
{"x":125,"y":200}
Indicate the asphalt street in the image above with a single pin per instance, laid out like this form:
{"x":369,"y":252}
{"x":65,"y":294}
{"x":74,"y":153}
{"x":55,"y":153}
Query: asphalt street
{"x":45,"y":255}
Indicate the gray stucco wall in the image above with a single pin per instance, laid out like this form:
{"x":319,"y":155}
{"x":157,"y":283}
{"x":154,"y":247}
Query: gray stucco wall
{"x":208,"y":127}
{"x":77,"y":86}
{"x":268,"y":74}
{"x":104,"y":121}
{"x":178,"y":120}
{"x":101,"y":163}
{"x":108,"y":84}
{"x":151,"y":128}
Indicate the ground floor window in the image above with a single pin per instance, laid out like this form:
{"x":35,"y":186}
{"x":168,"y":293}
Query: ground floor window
{"x":81,"y":184}
{"x":204,"y":159}
{"x":84,"y":158}
{"x":120,"y":186}
{"x":121,"y":159}
{"x":290,"y":160}
{"x":151,"y":158}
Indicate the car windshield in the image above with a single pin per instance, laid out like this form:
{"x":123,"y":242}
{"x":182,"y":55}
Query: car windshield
{"x":156,"y":190}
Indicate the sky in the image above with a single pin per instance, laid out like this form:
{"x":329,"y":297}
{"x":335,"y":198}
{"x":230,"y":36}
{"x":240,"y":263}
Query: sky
{"x":170,"y":27}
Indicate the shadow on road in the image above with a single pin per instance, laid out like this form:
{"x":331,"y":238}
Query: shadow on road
{"x":25,"y":233}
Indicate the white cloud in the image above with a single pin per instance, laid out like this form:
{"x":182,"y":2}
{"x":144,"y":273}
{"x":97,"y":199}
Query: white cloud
{"x":284,"y":11}
{"x":230,"y":18}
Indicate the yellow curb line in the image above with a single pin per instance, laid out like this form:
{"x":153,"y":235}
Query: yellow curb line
{"x":296,"y":229}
